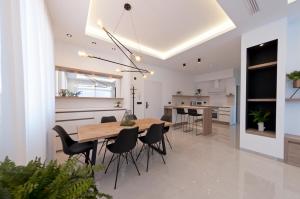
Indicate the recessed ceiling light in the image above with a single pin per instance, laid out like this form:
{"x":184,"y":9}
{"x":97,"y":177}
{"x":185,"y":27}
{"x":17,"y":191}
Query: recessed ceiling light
{"x":69,"y":35}
{"x":199,"y":60}
{"x":94,"y":43}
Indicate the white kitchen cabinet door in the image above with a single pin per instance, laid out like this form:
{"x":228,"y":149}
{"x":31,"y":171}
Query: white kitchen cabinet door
{"x":224,"y":118}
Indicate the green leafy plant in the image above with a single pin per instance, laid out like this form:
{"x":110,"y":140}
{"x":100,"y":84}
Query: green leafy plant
{"x":295,"y":75}
{"x":68,"y":93}
{"x":260,"y":115}
{"x":39,"y":180}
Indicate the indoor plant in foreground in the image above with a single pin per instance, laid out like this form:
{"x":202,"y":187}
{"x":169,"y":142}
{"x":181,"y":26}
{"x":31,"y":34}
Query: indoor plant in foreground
{"x":260,"y":117}
{"x":40,"y":180}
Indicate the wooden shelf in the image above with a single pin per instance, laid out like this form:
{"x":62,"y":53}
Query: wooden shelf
{"x":191,"y":96}
{"x":262,"y":100}
{"x":270,"y":134}
{"x":292,"y":100}
{"x":264,"y":65}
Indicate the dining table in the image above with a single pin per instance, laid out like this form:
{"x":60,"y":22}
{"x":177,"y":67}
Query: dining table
{"x":95,"y":132}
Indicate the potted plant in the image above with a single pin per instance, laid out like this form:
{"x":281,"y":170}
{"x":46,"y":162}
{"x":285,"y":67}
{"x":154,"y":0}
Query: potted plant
{"x":295,"y":76}
{"x":52,"y":180}
{"x":260,"y":117}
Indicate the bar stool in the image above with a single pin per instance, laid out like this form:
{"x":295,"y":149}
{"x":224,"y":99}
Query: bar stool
{"x":195,"y":116}
{"x":181,"y":112}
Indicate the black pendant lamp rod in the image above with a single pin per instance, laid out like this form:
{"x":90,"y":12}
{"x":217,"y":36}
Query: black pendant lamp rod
{"x":117,"y":42}
{"x":118,"y":63}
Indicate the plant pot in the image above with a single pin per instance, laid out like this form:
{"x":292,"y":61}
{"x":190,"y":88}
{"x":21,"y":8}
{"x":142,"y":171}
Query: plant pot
{"x":261,"y":126}
{"x":296,"y":83}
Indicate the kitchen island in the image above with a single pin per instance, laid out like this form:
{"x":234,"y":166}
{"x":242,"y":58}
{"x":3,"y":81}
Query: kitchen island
{"x":206,"y":114}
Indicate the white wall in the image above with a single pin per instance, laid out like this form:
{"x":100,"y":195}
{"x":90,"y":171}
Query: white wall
{"x":171,"y":81}
{"x":292,"y":109}
{"x":268,"y":146}
{"x":221,"y":74}
{"x":226,"y":81}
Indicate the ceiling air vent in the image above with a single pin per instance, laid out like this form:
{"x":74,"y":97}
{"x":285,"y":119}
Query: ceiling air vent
{"x":252,"y":6}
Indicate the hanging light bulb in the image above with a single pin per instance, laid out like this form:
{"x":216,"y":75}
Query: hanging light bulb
{"x":137,"y":58}
{"x":82,"y":54}
{"x":99,"y":23}
{"x":152,"y":72}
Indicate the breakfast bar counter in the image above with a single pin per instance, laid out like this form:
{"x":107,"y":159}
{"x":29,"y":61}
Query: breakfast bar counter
{"x":206,"y":114}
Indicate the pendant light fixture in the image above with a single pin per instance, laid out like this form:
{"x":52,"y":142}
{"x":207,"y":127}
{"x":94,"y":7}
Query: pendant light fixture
{"x":132,"y":57}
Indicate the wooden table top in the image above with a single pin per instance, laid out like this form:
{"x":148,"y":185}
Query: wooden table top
{"x":106,"y":130}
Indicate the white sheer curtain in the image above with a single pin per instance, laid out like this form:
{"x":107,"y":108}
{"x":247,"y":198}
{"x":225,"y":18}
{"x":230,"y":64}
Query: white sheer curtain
{"x":27,"y":80}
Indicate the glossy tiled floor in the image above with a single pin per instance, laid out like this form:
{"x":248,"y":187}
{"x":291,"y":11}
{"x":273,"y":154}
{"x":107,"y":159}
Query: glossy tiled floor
{"x":208,"y":167}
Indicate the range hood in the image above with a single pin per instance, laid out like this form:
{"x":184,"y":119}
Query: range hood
{"x":216,"y":90}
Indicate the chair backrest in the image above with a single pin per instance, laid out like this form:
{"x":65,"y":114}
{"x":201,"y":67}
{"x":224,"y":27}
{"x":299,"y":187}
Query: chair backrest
{"x":107,"y":119}
{"x":126,"y":140}
{"x":166,"y":118}
{"x":66,"y":140}
{"x":192,"y":112}
{"x":180,"y":110}
{"x":154,"y":134}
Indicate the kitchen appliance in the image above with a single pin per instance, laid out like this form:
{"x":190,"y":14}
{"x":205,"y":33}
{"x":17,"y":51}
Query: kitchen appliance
{"x":193,"y":103}
{"x":215,"y":113}
{"x":200,"y":103}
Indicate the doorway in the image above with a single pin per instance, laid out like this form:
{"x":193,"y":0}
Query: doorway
{"x":153,"y":99}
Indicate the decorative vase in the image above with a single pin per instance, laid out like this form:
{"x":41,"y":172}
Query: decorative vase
{"x":261,"y":126}
{"x":296,"y":83}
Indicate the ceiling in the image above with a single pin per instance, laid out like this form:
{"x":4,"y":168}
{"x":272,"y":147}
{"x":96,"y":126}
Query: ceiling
{"x":193,"y":22}
{"x":164,"y":25}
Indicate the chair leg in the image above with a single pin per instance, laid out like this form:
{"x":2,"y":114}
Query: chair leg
{"x":161,"y":154}
{"x":162,"y":157}
{"x":87,"y":157}
{"x":134,"y":163}
{"x":101,"y":147}
{"x":148,"y":154}
{"x":126,"y":158}
{"x":140,"y":152}
{"x":168,"y":142}
{"x":112,"y":157}
{"x":104,"y":152}
{"x":117,"y":171}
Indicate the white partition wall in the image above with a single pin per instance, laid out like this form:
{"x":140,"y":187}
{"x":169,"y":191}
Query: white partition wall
{"x":265,"y":145}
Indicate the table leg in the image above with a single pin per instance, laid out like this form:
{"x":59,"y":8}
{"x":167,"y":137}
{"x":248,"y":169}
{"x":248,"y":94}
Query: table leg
{"x":94,"y":153}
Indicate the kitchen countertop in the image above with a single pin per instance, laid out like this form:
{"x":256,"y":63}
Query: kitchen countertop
{"x":188,"y":106}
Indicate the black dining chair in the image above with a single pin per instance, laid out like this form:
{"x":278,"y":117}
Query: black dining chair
{"x":167,"y":118}
{"x":71,"y":147}
{"x":107,"y":119}
{"x":123,"y":145}
{"x":152,"y":138}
